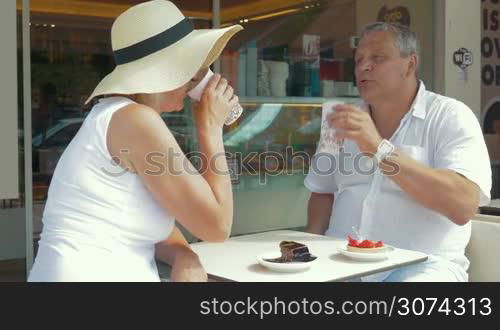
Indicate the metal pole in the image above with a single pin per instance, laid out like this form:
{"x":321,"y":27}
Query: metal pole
{"x":28,"y":170}
{"x":216,"y":24}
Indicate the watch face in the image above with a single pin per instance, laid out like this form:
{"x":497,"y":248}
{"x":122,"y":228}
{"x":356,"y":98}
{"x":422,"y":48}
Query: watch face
{"x":386,"y":146}
{"x":384,"y":150}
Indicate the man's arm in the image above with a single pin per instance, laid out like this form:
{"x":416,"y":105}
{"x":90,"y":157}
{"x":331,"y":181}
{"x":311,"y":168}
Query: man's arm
{"x":441,"y":190}
{"x":319,"y":210}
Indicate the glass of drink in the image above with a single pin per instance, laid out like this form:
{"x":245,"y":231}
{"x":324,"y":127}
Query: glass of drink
{"x":197,"y":91}
{"x":328,"y":143}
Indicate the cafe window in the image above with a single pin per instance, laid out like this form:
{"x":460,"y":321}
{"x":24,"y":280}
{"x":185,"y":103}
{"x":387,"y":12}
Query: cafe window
{"x":291,"y":57}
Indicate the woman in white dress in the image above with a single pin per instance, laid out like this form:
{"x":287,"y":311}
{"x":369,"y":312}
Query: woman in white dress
{"x":123,"y":180}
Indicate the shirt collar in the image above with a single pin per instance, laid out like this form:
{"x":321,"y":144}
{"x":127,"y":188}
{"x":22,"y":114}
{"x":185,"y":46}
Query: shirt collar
{"x":418,"y":107}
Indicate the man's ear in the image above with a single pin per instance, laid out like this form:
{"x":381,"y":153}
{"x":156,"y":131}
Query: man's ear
{"x":412,"y":66}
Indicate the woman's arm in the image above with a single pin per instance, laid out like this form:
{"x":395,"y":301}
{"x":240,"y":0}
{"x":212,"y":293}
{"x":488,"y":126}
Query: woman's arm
{"x":185,"y":263}
{"x":201,"y":202}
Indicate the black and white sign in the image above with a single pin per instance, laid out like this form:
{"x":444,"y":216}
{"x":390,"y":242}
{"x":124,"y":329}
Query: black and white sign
{"x":462,"y":58}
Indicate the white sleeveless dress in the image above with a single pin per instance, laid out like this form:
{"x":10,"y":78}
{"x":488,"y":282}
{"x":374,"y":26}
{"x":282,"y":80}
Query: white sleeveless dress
{"x":100,"y":222}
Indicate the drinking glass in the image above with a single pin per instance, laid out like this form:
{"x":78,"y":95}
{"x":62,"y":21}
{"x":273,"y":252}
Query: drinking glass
{"x":197,"y":91}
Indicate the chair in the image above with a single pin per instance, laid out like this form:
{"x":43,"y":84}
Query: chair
{"x":483,"y":249}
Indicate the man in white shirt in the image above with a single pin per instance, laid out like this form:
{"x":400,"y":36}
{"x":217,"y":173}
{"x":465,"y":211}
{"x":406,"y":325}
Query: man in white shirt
{"x":428,"y":166}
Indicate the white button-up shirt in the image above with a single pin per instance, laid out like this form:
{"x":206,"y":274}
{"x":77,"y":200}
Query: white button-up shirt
{"x":439,"y":132}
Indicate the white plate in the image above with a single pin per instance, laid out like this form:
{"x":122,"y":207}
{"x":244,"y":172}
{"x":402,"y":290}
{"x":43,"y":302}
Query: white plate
{"x":366,"y":256}
{"x":288,"y":267}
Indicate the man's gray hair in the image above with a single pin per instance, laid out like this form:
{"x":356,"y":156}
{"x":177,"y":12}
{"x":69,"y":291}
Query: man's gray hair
{"x":406,"y":40}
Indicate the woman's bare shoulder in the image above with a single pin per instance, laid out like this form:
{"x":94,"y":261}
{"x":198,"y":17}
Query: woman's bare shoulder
{"x":136,"y":113}
{"x":138,"y":127}
{"x":140,"y":119}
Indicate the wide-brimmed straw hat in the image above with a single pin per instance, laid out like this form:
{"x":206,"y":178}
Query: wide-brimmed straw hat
{"x":156,"y":49}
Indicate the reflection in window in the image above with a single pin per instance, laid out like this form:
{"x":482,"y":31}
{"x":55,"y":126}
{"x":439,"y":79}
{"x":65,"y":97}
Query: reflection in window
{"x":292,"y":48}
{"x":256,"y":123}
{"x":63,"y":137}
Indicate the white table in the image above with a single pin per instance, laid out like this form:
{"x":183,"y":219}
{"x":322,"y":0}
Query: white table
{"x":236,"y":259}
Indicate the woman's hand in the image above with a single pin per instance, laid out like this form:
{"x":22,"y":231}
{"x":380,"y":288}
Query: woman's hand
{"x":217,"y":100}
{"x":187,"y":268}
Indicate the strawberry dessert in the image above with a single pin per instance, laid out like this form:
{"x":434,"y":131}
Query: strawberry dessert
{"x":365,"y":246}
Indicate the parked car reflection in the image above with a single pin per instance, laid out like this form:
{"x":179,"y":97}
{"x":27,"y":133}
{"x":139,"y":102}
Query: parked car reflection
{"x":49,"y":145}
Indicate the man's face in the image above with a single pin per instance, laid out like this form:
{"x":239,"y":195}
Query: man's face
{"x":381,"y":71}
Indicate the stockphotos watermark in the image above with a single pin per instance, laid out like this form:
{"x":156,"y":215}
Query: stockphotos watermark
{"x":262,"y":164}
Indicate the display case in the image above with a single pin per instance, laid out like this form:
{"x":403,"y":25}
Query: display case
{"x":271,"y":147}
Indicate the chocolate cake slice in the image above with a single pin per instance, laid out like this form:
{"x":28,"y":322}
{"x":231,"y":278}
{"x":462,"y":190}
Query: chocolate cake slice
{"x":293,"y":252}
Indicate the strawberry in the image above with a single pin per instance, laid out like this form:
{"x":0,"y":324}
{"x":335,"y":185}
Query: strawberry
{"x":366,"y":244}
{"x":352,"y":242}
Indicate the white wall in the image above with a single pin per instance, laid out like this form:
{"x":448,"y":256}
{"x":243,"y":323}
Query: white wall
{"x":12,"y":220}
{"x":458,"y":24}
{"x":9,"y":174}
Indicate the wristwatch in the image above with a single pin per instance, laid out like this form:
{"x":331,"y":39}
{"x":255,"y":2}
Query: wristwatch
{"x":385,"y":148}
